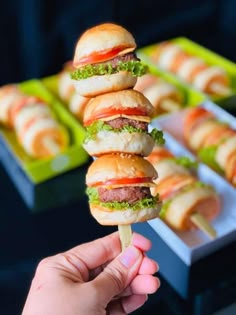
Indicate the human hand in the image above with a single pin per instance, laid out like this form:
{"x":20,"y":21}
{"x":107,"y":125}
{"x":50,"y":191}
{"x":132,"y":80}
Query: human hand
{"x":94,"y":278}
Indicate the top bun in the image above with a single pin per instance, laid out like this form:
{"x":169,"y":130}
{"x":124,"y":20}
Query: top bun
{"x":117,"y":100}
{"x":118,"y":166}
{"x":103,"y":37}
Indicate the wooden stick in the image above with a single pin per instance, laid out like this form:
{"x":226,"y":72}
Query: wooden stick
{"x":170,"y":105}
{"x":220,"y":89}
{"x":203,"y":225}
{"x":125,"y":232}
{"x":51,"y":145}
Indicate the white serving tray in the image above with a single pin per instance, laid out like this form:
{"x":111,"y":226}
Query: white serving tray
{"x":193,"y":245}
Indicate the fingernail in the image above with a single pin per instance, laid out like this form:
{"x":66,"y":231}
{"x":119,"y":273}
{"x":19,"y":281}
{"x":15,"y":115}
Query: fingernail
{"x":129,"y":256}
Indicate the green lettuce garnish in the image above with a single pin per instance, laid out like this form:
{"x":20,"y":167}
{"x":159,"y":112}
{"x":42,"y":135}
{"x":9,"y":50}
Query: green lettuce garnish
{"x":94,"y":128}
{"x":135,"y":67}
{"x":164,"y":208}
{"x":186,"y":162}
{"x":100,"y":125}
{"x":147,"y":202}
{"x":207,"y":156}
{"x":157,"y":136}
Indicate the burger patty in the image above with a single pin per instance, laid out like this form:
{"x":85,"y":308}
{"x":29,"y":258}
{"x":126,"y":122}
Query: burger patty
{"x":123,"y":58}
{"x":120,"y":122}
{"x":129,"y":194}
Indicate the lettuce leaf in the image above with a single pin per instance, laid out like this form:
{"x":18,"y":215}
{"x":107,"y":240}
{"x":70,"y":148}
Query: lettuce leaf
{"x":207,"y":156}
{"x":157,"y":136}
{"x":148,"y":202}
{"x":100,"y":125}
{"x":185,"y":161}
{"x":133,"y":66}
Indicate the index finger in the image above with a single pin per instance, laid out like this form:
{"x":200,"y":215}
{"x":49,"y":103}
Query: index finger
{"x":105,"y":249}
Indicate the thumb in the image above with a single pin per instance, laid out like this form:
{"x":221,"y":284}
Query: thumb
{"x":118,"y":274}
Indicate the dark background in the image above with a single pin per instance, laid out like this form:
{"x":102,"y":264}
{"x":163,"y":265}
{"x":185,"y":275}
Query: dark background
{"x":37,"y":37}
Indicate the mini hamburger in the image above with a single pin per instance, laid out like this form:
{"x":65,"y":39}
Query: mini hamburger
{"x":105,"y":61}
{"x":118,"y":122}
{"x":119,"y":189}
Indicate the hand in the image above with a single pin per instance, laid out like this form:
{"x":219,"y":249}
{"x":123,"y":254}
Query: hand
{"x":94,"y":278}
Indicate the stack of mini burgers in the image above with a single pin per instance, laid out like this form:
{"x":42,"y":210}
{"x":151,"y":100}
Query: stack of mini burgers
{"x":116,"y":119}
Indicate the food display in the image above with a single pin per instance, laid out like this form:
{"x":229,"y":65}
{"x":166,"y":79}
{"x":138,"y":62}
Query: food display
{"x":116,"y":120}
{"x":188,"y":203}
{"x":36,"y":128}
{"x":212,"y":80}
{"x":213,"y":140}
{"x":165,"y":97}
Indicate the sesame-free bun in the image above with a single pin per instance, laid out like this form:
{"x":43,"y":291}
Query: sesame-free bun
{"x":121,"y":99}
{"x":129,"y":216}
{"x":100,"y":84}
{"x":119,"y":166}
{"x":101,"y":38}
{"x":109,"y":141}
{"x":113,"y":142}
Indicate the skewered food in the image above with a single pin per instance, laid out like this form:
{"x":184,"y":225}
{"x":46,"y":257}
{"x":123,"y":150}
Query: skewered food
{"x":212,"y":80}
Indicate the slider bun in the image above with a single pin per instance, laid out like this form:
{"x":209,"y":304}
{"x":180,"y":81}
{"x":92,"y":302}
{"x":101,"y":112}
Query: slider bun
{"x":103,"y":37}
{"x":129,"y":216}
{"x":100,"y":84}
{"x":121,"y":99}
{"x":118,"y":166}
{"x":113,"y":142}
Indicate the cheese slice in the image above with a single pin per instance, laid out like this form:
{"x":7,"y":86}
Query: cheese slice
{"x":133,"y":117}
{"x":128,"y":185}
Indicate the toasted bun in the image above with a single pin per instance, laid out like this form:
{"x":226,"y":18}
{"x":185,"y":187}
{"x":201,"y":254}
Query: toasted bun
{"x":103,"y":37}
{"x":128,"y":216}
{"x":100,"y":84}
{"x":113,"y":142}
{"x":121,"y":99}
{"x":118,"y":166}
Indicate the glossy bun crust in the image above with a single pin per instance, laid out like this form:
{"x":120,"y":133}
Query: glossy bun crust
{"x":118,"y":166}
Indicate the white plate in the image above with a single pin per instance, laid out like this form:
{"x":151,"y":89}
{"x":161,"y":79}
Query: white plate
{"x":194,"y":245}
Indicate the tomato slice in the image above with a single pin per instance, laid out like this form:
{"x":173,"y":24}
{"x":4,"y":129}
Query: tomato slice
{"x":100,"y":56}
{"x":159,"y":154}
{"x":115,"y":111}
{"x":123,"y":181}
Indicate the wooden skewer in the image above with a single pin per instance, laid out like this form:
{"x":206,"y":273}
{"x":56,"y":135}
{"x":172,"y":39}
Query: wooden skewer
{"x":125,"y":232}
{"x":203,"y":225}
{"x":51,"y":145}
{"x":170,"y":105}
{"x":220,"y":89}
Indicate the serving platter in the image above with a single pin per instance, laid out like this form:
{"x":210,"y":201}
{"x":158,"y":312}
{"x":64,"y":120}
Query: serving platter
{"x":191,"y":246}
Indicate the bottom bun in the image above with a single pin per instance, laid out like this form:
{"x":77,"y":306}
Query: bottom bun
{"x":128,"y":216}
{"x":100,"y":84}
{"x":112,"y":142}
